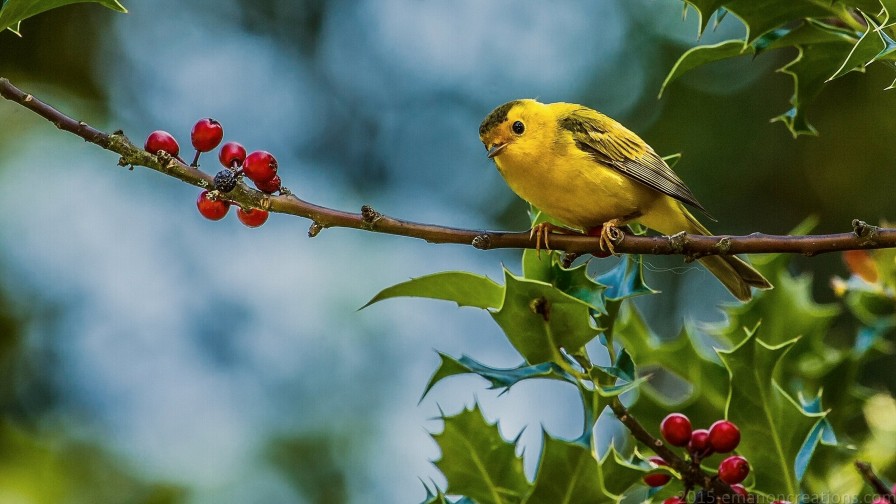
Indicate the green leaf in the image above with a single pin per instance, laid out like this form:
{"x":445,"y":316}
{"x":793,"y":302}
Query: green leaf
{"x":567,"y":474}
{"x":499,"y":378}
{"x":773,"y":426}
{"x":617,"y":474}
{"x":701,"y":55}
{"x":14,"y":11}
{"x":687,"y":375}
{"x":540,"y":319}
{"x":625,"y":280}
{"x":573,"y":281}
{"x":762,"y":16}
{"x":786,"y":312}
{"x":873,"y":45}
{"x":705,"y":10}
{"x":809,"y":71}
{"x":478,"y":462}
{"x":465,"y":289}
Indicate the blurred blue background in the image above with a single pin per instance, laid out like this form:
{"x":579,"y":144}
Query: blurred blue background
{"x":149,"y":355}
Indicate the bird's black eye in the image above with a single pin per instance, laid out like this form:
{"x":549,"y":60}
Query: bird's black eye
{"x":518,"y":127}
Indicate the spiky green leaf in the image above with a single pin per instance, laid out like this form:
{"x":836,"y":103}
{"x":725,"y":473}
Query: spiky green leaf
{"x":478,"y":462}
{"x":465,"y":289}
{"x":498,"y":377}
{"x":567,"y":474}
{"x":773,"y":426}
{"x":540,"y":319}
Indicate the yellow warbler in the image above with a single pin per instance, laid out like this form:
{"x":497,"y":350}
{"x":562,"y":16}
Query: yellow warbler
{"x":587,"y":171}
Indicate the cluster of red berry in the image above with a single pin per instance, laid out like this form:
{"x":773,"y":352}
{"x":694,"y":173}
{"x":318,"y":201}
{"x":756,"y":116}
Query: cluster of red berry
{"x":722,"y":437}
{"x":259,"y":166}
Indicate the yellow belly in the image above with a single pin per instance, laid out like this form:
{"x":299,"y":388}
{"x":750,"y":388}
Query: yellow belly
{"x":577,"y":191}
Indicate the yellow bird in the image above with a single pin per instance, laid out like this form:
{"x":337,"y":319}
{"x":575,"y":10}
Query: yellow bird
{"x":587,"y":171}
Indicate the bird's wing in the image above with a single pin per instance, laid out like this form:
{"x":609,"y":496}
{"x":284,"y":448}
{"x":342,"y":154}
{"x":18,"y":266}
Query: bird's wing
{"x":611,"y":144}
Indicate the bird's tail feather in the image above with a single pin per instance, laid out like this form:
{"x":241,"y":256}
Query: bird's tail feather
{"x":735,"y":274}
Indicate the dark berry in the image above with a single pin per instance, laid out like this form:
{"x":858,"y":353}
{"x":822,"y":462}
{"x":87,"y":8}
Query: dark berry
{"x":225,"y":180}
{"x":206,"y":135}
{"x":657,"y":479}
{"x":161,"y":141}
{"x":252,"y":217}
{"x":734,"y":469}
{"x":676,"y":429}
{"x":212,"y":208}
{"x":699,"y":446}
{"x":724,"y":436}
{"x":704,"y":497}
{"x":269,"y":186}
{"x":232,"y":154}
{"x":260,"y":166}
{"x":675,"y":500}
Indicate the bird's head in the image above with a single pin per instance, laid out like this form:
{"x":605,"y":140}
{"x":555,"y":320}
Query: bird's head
{"x":505,"y":127}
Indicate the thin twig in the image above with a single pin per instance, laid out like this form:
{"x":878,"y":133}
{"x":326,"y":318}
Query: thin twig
{"x":874,"y":480}
{"x":863,"y":236}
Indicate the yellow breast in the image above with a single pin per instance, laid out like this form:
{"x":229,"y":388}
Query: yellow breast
{"x":570,"y":186}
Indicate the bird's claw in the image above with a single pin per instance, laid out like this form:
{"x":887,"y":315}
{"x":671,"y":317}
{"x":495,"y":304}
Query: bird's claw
{"x":541,"y":231}
{"x":610,"y":234}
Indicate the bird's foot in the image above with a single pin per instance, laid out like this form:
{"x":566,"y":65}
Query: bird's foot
{"x":610,"y":234}
{"x":542,"y":231}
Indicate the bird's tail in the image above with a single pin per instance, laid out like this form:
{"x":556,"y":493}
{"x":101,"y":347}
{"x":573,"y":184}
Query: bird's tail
{"x":735,"y":274}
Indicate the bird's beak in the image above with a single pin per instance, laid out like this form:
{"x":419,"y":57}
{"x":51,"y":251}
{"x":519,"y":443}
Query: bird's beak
{"x":496,"y":149}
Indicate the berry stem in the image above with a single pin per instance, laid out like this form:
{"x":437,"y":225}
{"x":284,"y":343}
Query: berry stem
{"x":195,"y":163}
{"x":692,"y":475}
{"x":874,"y":480}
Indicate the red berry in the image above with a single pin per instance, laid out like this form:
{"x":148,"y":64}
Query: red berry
{"x":740,"y":490}
{"x":269,"y":186}
{"x":212,"y":208}
{"x":724,"y":436}
{"x":260,"y":166}
{"x":699,"y":444}
{"x":252,"y":217}
{"x":161,"y":141}
{"x":206,"y":135}
{"x":657,"y":479}
{"x":231,"y":153}
{"x":734,"y":469}
{"x":676,"y":429}
{"x":675,"y":500}
{"x":780,"y":502}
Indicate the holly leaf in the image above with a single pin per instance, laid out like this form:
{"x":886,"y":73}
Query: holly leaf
{"x":567,"y":474}
{"x":573,"y":281}
{"x":705,"y":10}
{"x":499,"y":378}
{"x":540,"y":319}
{"x":618,"y":474}
{"x":14,"y":11}
{"x":478,"y":462}
{"x":701,"y":55}
{"x":762,"y":16}
{"x":625,"y":280}
{"x":685,"y":372}
{"x":873,"y":45}
{"x":773,"y":426}
{"x":465,"y":289}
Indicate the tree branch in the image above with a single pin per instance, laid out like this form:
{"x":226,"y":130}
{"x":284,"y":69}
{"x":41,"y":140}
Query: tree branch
{"x":863,"y":236}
